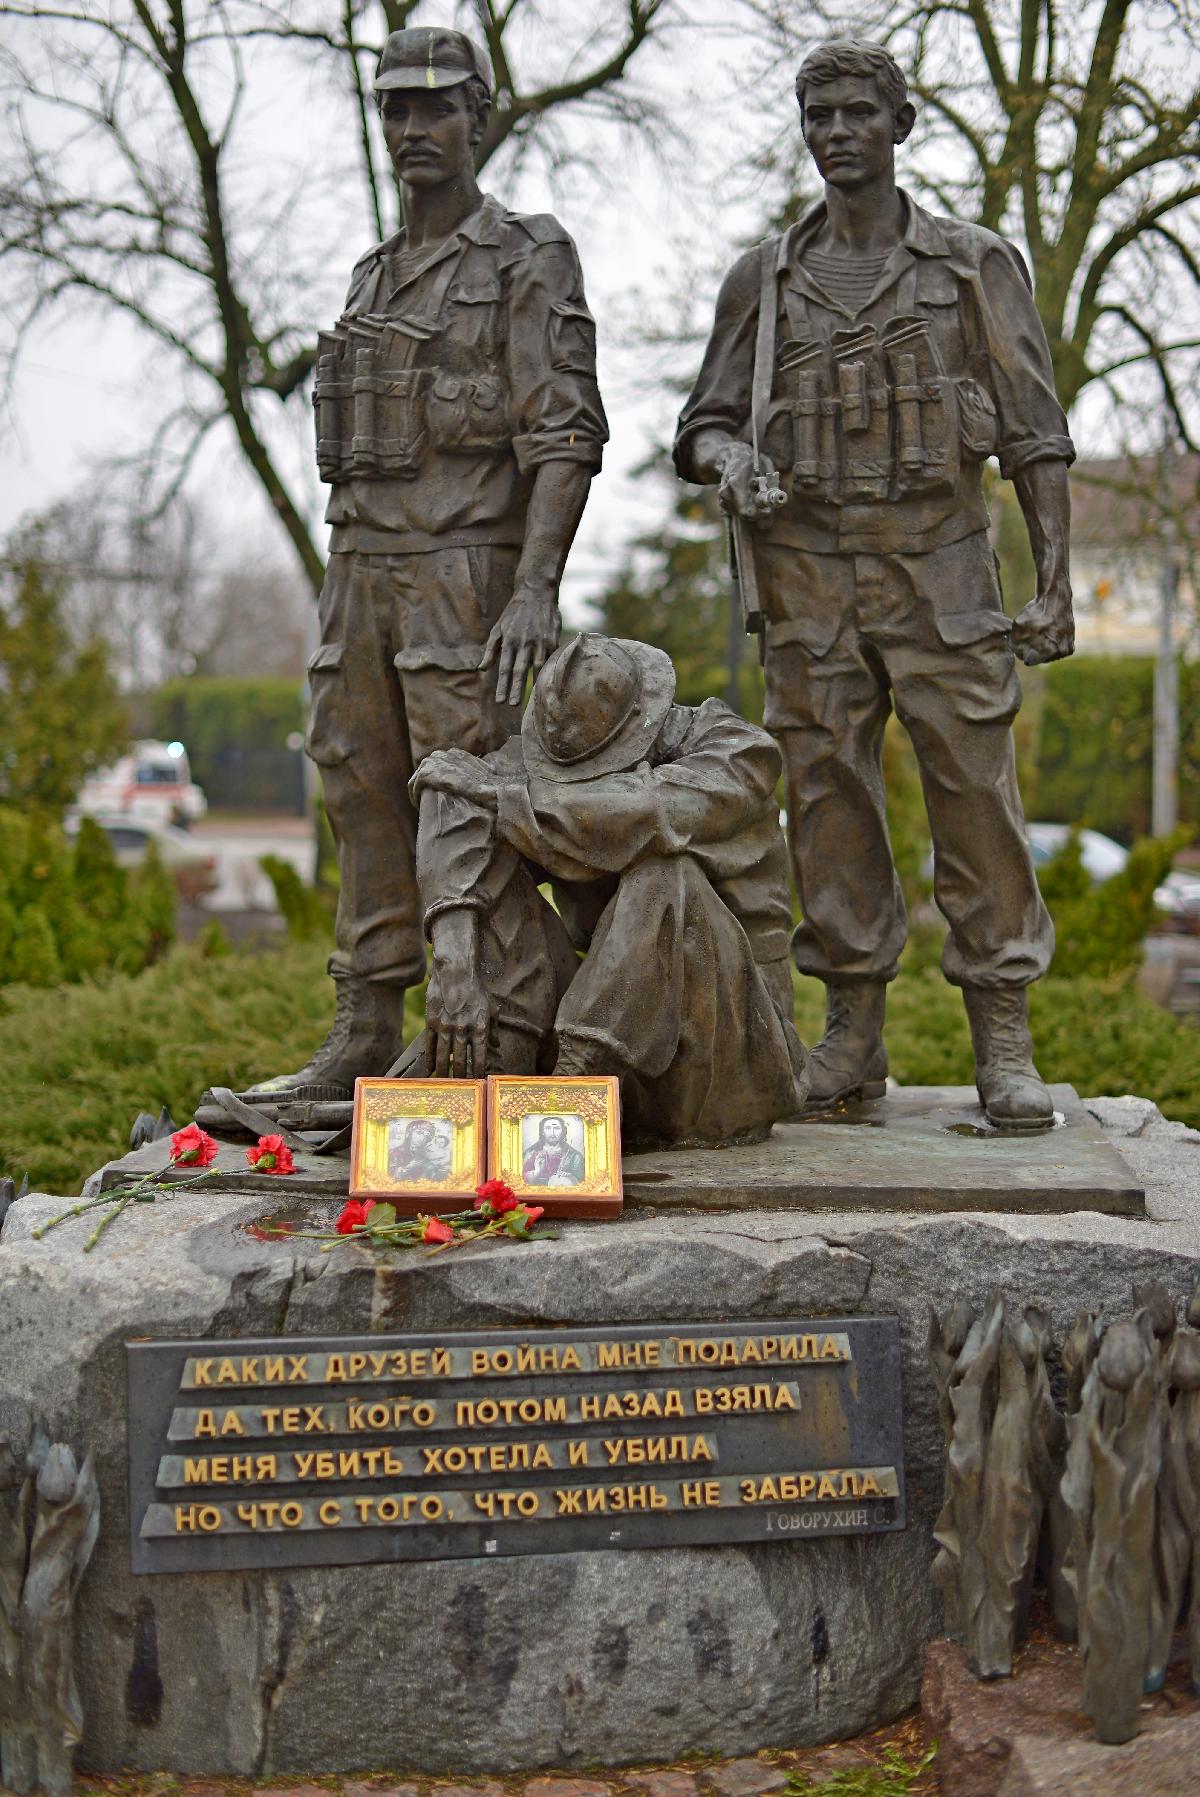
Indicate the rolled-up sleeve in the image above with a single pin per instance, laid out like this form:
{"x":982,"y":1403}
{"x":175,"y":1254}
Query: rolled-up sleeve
{"x":720,"y":400}
{"x":1032,"y":423}
{"x":558,"y":414}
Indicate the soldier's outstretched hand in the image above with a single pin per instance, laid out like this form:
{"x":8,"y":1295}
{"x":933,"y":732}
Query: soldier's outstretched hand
{"x":525,"y":634}
{"x":1045,"y":630}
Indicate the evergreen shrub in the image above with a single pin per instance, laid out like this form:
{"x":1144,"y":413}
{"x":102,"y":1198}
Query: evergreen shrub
{"x":1096,"y":745}
{"x":76,"y":1070}
{"x":307,"y":910}
{"x":69,"y":912}
{"x":1100,"y":928}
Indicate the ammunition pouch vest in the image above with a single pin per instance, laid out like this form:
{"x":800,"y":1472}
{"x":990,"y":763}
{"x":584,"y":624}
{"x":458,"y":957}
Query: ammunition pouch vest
{"x":867,"y":414}
{"x":389,"y":389}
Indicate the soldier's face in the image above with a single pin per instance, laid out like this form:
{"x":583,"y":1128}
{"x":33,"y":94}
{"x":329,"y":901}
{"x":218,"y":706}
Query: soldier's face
{"x":429,"y":134}
{"x":851,"y":130}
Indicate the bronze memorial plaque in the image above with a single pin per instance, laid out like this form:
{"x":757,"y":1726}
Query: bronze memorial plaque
{"x":311,"y":1451}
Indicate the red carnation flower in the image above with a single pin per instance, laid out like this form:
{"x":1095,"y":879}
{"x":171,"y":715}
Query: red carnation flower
{"x":354,"y":1215}
{"x":436,"y":1231}
{"x":271,"y":1154}
{"x":192,"y":1147}
{"x":495,"y":1195}
{"x":531,"y":1213}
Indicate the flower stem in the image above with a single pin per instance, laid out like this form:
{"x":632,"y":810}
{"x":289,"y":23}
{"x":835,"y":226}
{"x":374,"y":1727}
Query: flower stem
{"x":111,"y":1217}
{"x":65,"y":1216}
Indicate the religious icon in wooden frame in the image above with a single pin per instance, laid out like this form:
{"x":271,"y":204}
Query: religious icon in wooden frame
{"x":557,"y":1142}
{"x":419,"y":1144}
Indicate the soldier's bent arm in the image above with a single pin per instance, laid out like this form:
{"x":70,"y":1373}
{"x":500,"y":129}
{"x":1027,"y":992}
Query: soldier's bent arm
{"x":711,"y":444}
{"x":722,"y":780}
{"x":1034,"y":446}
{"x":1045,"y":630}
{"x":718,"y":409}
{"x":1031,"y":425}
{"x":560,"y":432}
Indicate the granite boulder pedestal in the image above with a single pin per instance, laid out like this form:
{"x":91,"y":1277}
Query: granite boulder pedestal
{"x":609,"y":1657}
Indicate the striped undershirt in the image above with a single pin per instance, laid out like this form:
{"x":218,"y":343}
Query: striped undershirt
{"x":848,"y":280}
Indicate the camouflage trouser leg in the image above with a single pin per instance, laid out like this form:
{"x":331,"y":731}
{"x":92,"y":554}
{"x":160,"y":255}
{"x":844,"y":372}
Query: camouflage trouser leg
{"x":396,"y":677}
{"x":849,"y":637}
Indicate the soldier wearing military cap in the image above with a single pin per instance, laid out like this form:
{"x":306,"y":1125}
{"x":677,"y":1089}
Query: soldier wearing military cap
{"x":862,"y":367}
{"x":459,"y":425}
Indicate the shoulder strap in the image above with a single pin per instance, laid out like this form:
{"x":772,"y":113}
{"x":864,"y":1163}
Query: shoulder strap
{"x":764,"y":345}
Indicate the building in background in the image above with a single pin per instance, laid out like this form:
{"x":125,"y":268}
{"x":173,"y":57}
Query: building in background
{"x":1117,"y":549}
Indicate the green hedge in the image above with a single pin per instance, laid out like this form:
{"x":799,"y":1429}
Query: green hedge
{"x":212,"y":716}
{"x":1096,"y":743}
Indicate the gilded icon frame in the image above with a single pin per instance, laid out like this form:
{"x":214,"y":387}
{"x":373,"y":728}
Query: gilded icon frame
{"x":384,"y":1153}
{"x":589,"y":1106}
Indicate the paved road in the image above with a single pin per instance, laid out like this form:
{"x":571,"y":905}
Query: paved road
{"x":238,"y":843}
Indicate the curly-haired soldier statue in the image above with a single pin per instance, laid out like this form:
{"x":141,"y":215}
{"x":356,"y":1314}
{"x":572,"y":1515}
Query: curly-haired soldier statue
{"x":459,"y":426}
{"x":861,"y":369}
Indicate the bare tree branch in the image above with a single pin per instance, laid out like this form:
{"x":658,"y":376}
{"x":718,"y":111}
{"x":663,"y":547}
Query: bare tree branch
{"x":137,"y":184}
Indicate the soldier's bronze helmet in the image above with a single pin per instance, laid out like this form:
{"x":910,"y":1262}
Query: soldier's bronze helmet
{"x":429,"y":57}
{"x":597,"y":707}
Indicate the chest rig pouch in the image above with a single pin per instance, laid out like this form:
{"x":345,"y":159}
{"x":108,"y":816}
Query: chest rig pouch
{"x":390,"y":388}
{"x":370,"y":401}
{"x":866,"y":415}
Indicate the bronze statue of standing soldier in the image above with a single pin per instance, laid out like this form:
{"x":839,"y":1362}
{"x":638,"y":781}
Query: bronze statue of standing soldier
{"x":861,"y":369}
{"x":459,"y":426}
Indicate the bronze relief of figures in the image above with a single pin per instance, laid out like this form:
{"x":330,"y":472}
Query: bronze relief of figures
{"x":1106,"y":1498}
{"x":49,"y":1522}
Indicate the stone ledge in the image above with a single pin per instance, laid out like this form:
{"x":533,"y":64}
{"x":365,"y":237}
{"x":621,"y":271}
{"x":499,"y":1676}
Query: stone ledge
{"x":917,"y":1149}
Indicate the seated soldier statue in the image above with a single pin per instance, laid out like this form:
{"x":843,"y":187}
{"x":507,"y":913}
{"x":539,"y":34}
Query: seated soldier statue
{"x":657,"y":828}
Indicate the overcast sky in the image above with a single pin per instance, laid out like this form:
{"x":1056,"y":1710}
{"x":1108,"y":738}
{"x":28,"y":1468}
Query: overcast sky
{"x":648,"y":226}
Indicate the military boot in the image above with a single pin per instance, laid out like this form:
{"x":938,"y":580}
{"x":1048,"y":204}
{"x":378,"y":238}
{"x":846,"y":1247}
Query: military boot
{"x":1011,"y":1090}
{"x":849,"y":1061}
{"x":365,"y":1037}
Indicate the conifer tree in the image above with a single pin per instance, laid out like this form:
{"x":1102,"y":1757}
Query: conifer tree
{"x":151,"y":911}
{"x":60,"y":714}
{"x":33,"y":960}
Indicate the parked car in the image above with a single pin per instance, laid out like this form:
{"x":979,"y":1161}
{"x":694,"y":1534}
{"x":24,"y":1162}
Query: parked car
{"x":193,"y":870}
{"x":1101,"y":856}
{"x":1178,"y":898}
{"x":153,"y":782}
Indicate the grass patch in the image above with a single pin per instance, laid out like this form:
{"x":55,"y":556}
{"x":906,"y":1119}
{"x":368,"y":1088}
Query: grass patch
{"x":895,"y":1775}
{"x":77,"y":1063}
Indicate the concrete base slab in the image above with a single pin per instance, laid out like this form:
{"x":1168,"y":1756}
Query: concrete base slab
{"x":919,"y":1148}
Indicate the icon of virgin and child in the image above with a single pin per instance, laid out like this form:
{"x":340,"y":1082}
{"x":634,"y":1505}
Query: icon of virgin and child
{"x":419,"y":1148}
